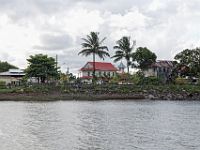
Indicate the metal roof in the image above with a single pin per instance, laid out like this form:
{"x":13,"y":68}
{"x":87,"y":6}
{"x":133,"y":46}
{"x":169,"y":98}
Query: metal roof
{"x":13,"y":72}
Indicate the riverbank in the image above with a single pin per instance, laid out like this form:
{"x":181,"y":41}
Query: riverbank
{"x":102,"y":92}
{"x":57,"y":97}
{"x":95,"y":97}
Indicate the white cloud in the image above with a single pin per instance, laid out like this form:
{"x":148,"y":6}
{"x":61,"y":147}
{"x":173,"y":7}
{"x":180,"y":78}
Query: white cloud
{"x":166,"y":27}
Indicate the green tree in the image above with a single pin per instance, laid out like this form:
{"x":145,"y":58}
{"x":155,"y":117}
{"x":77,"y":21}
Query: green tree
{"x":92,"y":45}
{"x":124,"y":50}
{"x":42,"y":67}
{"x":189,"y":58}
{"x":5,"y":66}
{"x":143,"y":57}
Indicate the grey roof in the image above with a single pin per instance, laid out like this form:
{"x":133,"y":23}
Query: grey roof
{"x":121,"y":66}
{"x":163,"y":63}
{"x":13,"y":72}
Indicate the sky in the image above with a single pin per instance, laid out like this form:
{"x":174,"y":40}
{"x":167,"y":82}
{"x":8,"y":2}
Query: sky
{"x":55,"y":27}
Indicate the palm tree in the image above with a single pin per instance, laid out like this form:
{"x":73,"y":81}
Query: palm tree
{"x":124,"y":50}
{"x":92,"y":45}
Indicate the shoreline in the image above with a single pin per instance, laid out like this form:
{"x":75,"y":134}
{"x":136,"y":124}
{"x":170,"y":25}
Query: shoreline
{"x":183,"y":96}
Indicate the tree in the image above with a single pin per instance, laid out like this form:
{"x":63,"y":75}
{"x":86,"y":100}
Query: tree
{"x":189,"y":59}
{"x":92,"y":45}
{"x":124,"y":50}
{"x":5,"y":66}
{"x":143,"y":57}
{"x":42,"y":67}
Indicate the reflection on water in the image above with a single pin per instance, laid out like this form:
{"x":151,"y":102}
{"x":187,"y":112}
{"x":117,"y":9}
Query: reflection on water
{"x":105,"y":125}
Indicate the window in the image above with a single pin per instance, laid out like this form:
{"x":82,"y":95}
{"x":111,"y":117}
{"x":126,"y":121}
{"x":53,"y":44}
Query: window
{"x":109,"y":74}
{"x":88,"y":73}
{"x":113,"y":73}
{"x":164,"y":70}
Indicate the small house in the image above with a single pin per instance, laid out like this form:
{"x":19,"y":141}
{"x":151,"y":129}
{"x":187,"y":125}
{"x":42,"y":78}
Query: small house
{"x":12,"y":76}
{"x":161,"y":68}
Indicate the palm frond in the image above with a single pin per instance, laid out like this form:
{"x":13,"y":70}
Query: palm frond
{"x":85,"y":52}
{"x":103,"y":48}
{"x":87,"y":41}
{"x":86,"y":45}
{"x":116,"y":47}
{"x":117,"y":58}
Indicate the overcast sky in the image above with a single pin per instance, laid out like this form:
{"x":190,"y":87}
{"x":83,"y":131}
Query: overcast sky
{"x":53,"y":27}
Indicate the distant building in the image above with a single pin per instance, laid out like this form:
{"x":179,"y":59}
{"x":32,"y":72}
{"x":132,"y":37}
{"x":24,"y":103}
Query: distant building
{"x":12,"y":76}
{"x":102,"y":70}
{"x":161,"y":68}
{"x":121,"y":67}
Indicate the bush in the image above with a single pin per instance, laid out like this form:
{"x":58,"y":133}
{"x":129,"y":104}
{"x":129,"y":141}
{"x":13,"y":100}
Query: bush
{"x":136,"y":79}
{"x":151,"y":81}
{"x":115,"y":80}
{"x":2,"y":85}
{"x":181,"y":81}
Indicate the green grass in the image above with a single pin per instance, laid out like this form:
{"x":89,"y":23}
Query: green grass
{"x":2,"y":91}
{"x":104,"y":89}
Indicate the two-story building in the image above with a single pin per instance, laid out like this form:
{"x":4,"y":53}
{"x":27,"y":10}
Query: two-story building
{"x":102,"y":70}
{"x":161,"y":68}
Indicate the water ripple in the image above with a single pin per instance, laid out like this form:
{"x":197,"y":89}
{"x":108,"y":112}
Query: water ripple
{"x":105,"y":125}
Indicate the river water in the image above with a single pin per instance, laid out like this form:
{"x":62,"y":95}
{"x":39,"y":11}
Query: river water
{"x":101,"y":125}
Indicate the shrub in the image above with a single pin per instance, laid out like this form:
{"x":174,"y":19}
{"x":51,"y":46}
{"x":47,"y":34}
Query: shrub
{"x":2,"y":84}
{"x":150,"y":81}
{"x":115,"y":80}
{"x":181,"y":81}
{"x":136,"y":79}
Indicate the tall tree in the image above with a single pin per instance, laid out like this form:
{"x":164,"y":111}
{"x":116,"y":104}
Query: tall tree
{"x":124,"y":50}
{"x":42,"y":67}
{"x":143,"y":57}
{"x":92,"y":45}
{"x":5,"y":66}
{"x":189,"y":58}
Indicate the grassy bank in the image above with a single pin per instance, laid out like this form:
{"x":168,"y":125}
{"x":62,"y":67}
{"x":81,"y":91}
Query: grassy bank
{"x":102,"y":92}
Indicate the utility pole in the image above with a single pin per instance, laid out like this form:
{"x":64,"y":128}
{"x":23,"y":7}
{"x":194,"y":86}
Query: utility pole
{"x":56,"y":62}
{"x":67,"y":70}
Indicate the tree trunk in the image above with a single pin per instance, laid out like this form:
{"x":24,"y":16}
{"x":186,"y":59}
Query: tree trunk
{"x":43,"y":79}
{"x":93,"y":75}
{"x":128,"y":67}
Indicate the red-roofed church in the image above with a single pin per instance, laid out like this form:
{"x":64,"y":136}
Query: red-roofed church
{"x":102,"y":69}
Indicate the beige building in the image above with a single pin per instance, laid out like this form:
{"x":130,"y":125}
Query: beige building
{"x":12,"y":76}
{"x":161,"y":68}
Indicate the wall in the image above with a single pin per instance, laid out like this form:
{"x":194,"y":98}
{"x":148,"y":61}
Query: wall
{"x":8,"y":79}
{"x":85,"y":73}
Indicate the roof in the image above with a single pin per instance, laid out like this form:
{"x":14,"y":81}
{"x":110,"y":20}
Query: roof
{"x":13,"y":72}
{"x":121,"y":66}
{"x":16,"y":71}
{"x":99,"y":66}
{"x":163,"y":63}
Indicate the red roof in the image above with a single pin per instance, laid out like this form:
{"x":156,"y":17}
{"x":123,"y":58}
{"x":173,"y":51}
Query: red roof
{"x":100,"y":66}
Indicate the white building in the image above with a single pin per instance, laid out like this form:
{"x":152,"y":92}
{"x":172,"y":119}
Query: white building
{"x":161,"y":68}
{"x":102,"y":70}
{"x":12,"y":76}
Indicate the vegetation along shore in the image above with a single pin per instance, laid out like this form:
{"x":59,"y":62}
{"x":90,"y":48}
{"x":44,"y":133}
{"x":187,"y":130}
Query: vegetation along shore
{"x":99,"y":92}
